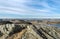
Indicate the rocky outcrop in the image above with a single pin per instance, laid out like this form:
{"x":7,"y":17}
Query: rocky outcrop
{"x":28,"y":31}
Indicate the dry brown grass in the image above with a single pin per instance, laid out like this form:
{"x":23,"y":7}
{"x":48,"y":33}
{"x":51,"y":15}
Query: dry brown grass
{"x":17,"y":35}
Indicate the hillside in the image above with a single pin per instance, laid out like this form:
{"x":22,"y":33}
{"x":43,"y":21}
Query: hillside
{"x":28,"y":31}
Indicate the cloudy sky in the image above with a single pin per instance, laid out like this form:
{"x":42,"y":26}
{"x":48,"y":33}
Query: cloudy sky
{"x":29,"y":8}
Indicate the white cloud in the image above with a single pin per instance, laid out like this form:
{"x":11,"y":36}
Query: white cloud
{"x":19,"y":7}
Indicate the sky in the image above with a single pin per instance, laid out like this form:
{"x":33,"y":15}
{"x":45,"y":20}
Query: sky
{"x":29,"y":8}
